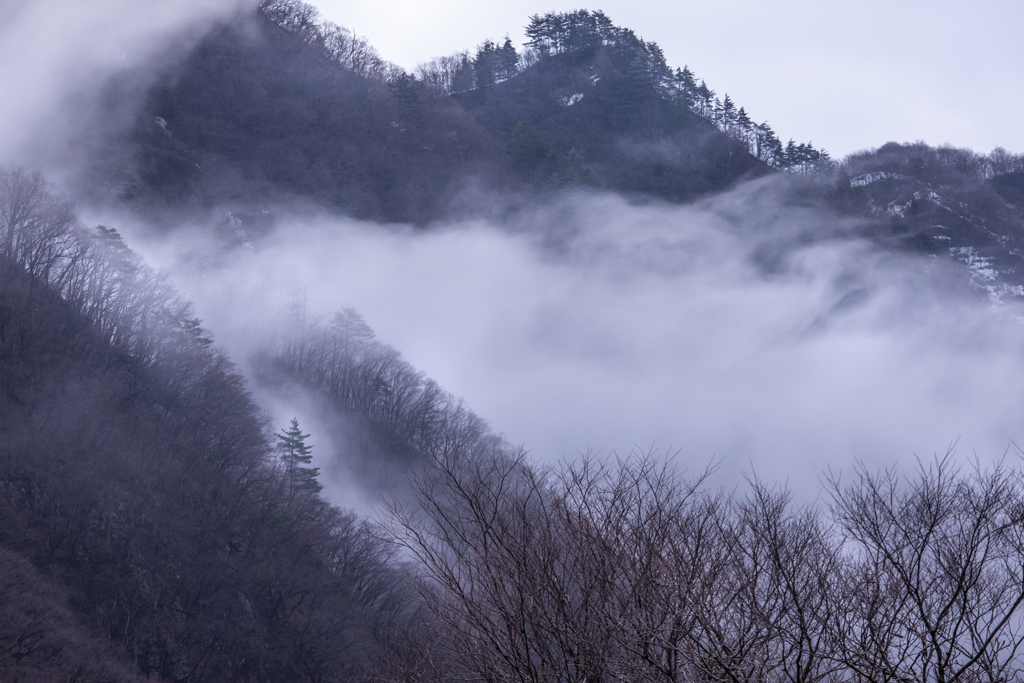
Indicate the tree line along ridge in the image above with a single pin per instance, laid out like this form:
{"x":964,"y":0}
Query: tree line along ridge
{"x":555,"y":34}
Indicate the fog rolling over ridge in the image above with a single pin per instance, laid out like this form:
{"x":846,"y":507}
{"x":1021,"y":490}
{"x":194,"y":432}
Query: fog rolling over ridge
{"x":602,"y":379}
{"x":737,"y":328}
{"x":732,"y":329}
{"x":57,"y":56}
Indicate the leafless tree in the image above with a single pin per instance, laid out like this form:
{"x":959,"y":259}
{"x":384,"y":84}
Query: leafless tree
{"x":447,"y":75}
{"x":937,"y":579}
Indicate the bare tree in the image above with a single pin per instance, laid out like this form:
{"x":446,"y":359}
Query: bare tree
{"x":937,"y":581}
{"x":562,"y":575}
{"x":447,"y":75}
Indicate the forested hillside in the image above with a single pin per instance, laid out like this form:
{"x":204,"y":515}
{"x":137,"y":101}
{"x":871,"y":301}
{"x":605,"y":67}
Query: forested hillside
{"x":279,"y":107}
{"x":139,"y":481}
{"x":151,"y":531}
{"x":157,"y":526}
{"x":952,"y":202}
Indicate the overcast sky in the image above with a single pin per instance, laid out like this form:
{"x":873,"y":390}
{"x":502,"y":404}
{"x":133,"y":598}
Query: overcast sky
{"x":845,"y":75}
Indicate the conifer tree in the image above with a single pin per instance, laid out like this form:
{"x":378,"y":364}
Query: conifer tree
{"x":686,"y":86}
{"x":350,"y":327}
{"x":745,"y":126}
{"x":705,"y":100}
{"x":508,"y":60}
{"x":403,"y":89}
{"x":296,"y":455}
{"x":728,"y":114}
{"x":485,"y":64}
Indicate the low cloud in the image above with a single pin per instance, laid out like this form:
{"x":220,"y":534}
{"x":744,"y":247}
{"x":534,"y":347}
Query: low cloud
{"x":735,"y":329}
{"x":55,"y":56}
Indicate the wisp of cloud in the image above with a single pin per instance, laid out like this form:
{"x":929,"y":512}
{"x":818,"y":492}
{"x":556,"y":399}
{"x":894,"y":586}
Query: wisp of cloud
{"x":56,"y":54}
{"x":734,"y":329}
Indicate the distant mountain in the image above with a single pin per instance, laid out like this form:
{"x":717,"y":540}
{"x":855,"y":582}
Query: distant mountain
{"x":276,"y":108}
{"x":949,"y":202}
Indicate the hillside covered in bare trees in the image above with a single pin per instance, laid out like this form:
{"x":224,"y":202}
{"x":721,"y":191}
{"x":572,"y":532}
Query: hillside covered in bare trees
{"x":148,"y":519}
{"x":159,"y":522}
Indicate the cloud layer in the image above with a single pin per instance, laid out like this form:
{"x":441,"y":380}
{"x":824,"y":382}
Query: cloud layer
{"x":55,"y":55}
{"x":734,"y":329}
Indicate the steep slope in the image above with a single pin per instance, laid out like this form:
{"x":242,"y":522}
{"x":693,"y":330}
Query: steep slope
{"x":137,"y":478}
{"x":599,"y":115}
{"x":950,"y":202}
{"x":263,"y":111}
{"x":254,"y":117}
{"x":42,"y":639}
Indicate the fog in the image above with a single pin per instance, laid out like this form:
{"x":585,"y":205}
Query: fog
{"x":738,"y":330}
{"x":56,"y":54}
{"x":765,"y":337}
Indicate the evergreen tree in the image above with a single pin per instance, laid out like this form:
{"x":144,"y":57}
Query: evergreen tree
{"x":745,"y":125}
{"x":527,"y":148}
{"x":791,"y":154}
{"x":485,"y":64}
{"x":686,"y":86}
{"x":728,"y":114}
{"x":508,"y":60}
{"x":769,"y":147}
{"x":350,"y":325}
{"x":705,"y":100}
{"x":296,"y":455}
{"x":403,"y":89}
{"x":558,"y":33}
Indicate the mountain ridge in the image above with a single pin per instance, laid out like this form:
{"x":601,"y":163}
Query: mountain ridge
{"x":149,"y":528}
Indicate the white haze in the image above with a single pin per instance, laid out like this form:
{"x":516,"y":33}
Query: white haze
{"x":732,"y":329}
{"x":55,"y":54}
{"x":589,"y":323}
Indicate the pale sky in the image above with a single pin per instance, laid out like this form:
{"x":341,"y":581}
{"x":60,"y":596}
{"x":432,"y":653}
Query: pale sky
{"x":844,"y":75}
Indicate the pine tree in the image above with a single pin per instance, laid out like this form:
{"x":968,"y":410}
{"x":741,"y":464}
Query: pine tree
{"x":745,"y":125}
{"x":727,"y":114}
{"x":686,"y":85}
{"x":296,"y":455}
{"x":791,"y":154}
{"x":485,"y":64}
{"x":508,"y":60}
{"x":705,"y":99}
{"x":403,"y":89}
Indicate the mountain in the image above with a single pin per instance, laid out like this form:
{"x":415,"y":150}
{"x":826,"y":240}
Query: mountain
{"x":149,"y":529}
{"x":153,"y":531}
{"x":276,"y":108}
{"x":266,"y":110}
{"x":951,"y":202}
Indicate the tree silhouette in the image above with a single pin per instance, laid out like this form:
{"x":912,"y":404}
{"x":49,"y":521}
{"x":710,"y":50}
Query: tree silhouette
{"x":296,"y":455}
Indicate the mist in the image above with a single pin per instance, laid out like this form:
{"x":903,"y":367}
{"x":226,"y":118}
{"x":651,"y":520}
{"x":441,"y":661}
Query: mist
{"x":734,"y":329}
{"x":738,"y":330}
{"x":55,"y":55}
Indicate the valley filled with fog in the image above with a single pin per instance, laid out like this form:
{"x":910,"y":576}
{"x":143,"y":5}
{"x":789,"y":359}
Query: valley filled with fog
{"x":540,"y":363}
{"x":730,"y":330}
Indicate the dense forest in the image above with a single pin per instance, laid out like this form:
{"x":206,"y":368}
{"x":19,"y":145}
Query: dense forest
{"x":139,"y":478}
{"x":282,"y":106}
{"x":158,"y":527}
{"x":152,"y":529}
